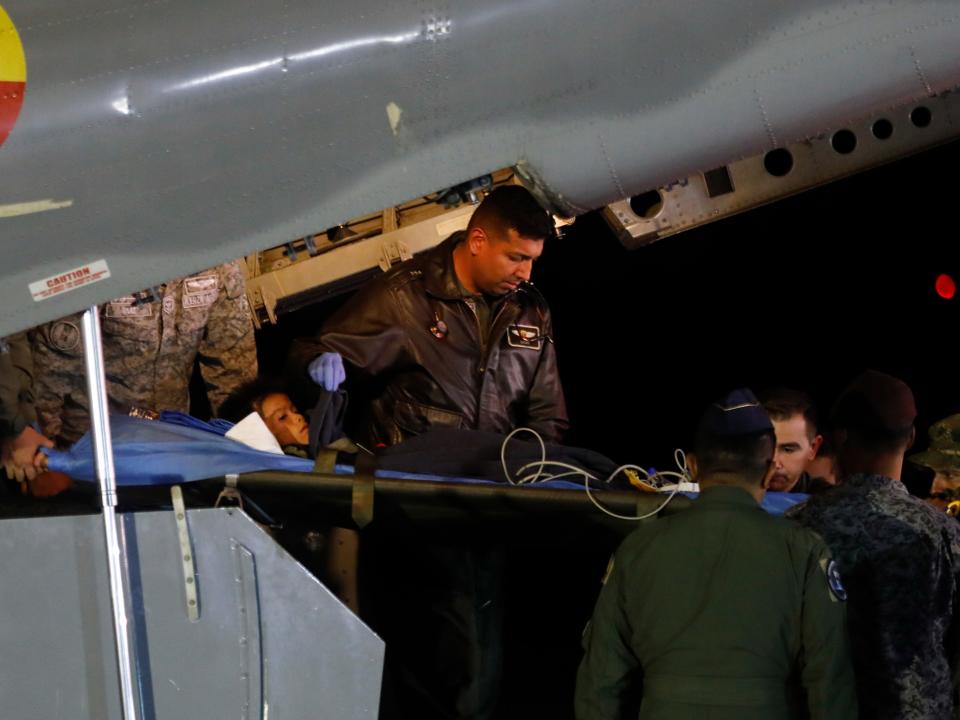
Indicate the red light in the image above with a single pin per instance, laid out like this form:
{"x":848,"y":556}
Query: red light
{"x":946,"y":287}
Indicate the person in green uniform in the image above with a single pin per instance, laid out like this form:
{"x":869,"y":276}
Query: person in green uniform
{"x":720,"y":611}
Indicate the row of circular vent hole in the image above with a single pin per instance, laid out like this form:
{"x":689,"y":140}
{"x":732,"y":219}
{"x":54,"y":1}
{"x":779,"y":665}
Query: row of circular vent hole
{"x":779,"y":162}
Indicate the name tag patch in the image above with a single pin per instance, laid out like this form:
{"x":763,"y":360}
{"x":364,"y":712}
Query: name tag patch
{"x":528,"y":337}
{"x":127,"y":307}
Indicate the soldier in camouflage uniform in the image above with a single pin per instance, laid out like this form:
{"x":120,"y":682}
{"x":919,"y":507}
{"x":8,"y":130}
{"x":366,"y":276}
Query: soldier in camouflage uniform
{"x":16,"y":385}
{"x":721,"y":611}
{"x":150,"y":344}
{"x":18,"y":440}
{"x":943,"y":457}
{"x":900,"y":558}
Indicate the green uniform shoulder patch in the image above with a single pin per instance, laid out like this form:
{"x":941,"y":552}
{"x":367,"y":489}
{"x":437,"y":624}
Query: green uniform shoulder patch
{"x":837,"y":591}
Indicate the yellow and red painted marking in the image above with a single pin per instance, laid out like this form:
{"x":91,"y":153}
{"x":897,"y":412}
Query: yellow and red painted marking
{"x":13,"y":75}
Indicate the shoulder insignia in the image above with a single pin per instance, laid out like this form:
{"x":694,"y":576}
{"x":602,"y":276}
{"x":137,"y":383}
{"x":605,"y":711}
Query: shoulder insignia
{"x":837,"y":591}
{"x":65,"y":336}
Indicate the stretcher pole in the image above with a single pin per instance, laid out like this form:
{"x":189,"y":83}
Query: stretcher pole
{"x":106,"y":478}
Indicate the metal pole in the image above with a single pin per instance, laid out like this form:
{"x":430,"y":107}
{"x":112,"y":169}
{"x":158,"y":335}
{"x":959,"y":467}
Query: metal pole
{"x":106,"y":476}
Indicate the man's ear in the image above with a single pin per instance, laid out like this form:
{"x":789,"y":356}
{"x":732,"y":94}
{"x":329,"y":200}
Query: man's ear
{"x":692,"y":467}
{"x":816,"y":445}
{"x":476,"y":238}
{"x":913,"y":438}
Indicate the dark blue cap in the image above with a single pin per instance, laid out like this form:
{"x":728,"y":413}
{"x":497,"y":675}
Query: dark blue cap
{"x":737,"y":413}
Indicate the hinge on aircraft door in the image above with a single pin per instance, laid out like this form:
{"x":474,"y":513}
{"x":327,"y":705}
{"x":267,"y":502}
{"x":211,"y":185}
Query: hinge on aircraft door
{"x":393,"y":253}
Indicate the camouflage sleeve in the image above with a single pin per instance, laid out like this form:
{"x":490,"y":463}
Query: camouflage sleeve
{"x":827,"y":671}
{"x":951,"y":545}
{"x":16,"y":384}
{"x":609,"y":674}
{"x":228,"y":350}
{"x":58,"y":371}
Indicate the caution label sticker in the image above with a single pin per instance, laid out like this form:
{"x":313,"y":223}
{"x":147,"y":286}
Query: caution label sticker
{"x":69,"y":280}
{"x":13,"y":75}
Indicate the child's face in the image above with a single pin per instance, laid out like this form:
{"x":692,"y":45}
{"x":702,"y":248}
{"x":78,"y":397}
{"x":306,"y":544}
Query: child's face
{"x":284,"y":420}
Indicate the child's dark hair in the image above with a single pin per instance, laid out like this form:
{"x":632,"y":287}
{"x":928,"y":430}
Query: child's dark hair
{"x":248,"y":398}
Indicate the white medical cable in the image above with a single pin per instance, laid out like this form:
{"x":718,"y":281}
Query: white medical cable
{"x":600,"y":507}
{"x":573,"y":470}
{"x":503,"y":452}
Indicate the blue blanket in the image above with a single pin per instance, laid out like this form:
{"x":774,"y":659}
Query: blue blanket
{"x":181,"y":449}
{"x":154,"y":452}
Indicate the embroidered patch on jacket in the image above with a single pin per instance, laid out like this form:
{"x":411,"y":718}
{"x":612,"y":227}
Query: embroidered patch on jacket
{"x":200,"y":291}
{"x":65,"y":336}
{"x":524,"y":336}
{"x":835,"y":583}
{"x":127,"y":307}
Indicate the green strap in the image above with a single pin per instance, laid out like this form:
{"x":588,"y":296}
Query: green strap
{"x":362,"y":504}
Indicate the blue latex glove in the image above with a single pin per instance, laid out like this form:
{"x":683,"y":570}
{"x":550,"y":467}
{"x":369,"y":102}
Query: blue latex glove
{"x":327,"y":371}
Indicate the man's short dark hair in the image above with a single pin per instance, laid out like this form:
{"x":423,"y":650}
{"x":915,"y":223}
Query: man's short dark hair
{"x":784,"y":403}
{"x":852,"y":415}
{"x":877,"y":412}
{"x":746,"y":456}
{"x":513,"y":207}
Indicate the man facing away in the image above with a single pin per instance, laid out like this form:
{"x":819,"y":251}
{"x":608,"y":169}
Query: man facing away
{"x":900,"y":558}
{"x":720,"y":611}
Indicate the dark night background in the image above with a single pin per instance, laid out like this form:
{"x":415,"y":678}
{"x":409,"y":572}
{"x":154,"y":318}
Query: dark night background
{"x":806,"y":292}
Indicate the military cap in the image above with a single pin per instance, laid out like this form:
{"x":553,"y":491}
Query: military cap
{"x":944,"y":450}
{"x":875,"y":401}
{"x":737,"y":413}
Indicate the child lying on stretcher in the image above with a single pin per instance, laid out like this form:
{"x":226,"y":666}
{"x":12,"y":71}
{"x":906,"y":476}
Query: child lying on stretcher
{"x":271,"y":402}
{"x":266,"y":400}
{"x":296,"y":434}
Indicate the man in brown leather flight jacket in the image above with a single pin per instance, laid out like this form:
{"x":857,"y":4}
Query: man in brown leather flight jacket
{"x":456,"y":337}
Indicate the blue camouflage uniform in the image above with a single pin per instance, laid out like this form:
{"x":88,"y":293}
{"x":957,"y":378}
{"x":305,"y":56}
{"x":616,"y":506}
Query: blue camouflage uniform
{"x":900,"y":561}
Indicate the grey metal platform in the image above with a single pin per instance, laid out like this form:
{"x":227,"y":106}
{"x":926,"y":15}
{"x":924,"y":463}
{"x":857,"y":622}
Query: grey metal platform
{"x":269,"y":641}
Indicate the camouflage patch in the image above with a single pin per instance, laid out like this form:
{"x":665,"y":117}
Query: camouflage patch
{"x":201,"y":291}
{"x":169,"y":305}
{"x":528,"y":337}
{"x":200,"y":284}
{"x":127,"y":307}
{"x":65,"y":336}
